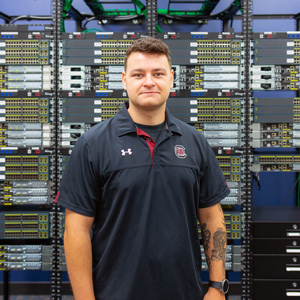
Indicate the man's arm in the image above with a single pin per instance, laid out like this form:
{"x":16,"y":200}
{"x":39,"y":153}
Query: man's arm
{"x":214,"y":238}
{"x":78,"y":251}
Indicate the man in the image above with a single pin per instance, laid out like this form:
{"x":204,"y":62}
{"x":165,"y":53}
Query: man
{"x":139,"y":181}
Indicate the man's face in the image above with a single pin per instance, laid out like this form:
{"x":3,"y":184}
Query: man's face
{"x":148,"y":80}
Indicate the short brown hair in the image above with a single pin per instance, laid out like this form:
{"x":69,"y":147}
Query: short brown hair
{"x":148,"y":45}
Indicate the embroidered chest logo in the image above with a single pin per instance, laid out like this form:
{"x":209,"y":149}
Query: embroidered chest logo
{"x":180,"y":151}
{"x":129,"y":152}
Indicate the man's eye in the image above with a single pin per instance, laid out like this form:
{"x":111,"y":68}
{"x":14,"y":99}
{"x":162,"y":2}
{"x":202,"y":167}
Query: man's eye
{"x":137,"y":75}
{"x":159,"y":74}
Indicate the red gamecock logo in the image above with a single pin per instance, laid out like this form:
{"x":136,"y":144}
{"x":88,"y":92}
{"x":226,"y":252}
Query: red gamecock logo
{"x":180,"y":151}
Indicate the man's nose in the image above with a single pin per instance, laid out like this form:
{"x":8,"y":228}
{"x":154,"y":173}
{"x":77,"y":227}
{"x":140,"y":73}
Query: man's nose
{"x":148,"y":80}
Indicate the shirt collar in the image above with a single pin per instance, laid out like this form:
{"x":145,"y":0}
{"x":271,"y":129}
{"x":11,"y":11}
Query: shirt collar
{"x":125,"y":124}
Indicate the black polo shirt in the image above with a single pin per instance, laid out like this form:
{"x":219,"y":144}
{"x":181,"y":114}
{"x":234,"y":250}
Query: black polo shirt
{"x":144,"y":197}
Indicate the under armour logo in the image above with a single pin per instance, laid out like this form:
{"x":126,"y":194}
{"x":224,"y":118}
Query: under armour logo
{"x":126,"y":152}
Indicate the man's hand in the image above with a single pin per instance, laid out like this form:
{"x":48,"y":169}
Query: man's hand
{"x":214,"y":294}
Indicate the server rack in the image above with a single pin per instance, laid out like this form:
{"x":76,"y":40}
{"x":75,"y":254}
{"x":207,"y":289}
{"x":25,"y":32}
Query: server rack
{"x":223,"y":114}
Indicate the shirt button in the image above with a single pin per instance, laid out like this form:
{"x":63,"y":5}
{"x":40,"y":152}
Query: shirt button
{"x":149,"y":139}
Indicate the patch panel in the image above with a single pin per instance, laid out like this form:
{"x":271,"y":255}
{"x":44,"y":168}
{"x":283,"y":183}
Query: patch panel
{"x":110,"y":43}
{"x":13,"y":60}
{"x":113,"y":52}
{"x":109,"y":110}
{"x":276,"y":163}
{"x":31,"y":225}
{"x":26,"y":46}
{"x":115,"y":102}
{"x":194,"y":111}
{"x":213,"y":60}
{"x":22,"y":113}
{"x":231,"y":167}
{"x":13,"y":44}
{"x":112,"y":61}
{"x":217,"y":110}
{"x":213,"y":52}
{"x":217,"y":118}
{"x":104,"y":52}
{"x":218,"y":101}
{"x":30,"y":43}
{"x":218,"y":43}
{"x":24,"y":168}
{"x":20,"y":101}
{"x":232,"y":160}
{"x":205,"y":43}
{"x":19,"y":52}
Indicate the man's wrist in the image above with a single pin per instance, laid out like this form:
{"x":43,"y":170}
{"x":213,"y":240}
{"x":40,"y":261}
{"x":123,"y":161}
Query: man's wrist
{"x":222,"y":286}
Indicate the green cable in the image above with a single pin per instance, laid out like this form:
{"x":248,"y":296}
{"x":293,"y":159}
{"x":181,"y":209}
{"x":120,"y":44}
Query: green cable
{"x":142,"y":7}
{"x":95,"y":6}
{"x":66,"y":7}
{"x":238,"y":3}
{"x":208,"y":7}
{"x":178,"y":12}
{"x":92,"y":30}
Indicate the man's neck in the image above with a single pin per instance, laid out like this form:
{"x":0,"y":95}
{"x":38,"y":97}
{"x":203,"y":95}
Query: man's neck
{"x":147,"y":117}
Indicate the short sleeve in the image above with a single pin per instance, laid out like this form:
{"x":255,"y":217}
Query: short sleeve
{"x":213,"y":186}
{"x":78,"y":189}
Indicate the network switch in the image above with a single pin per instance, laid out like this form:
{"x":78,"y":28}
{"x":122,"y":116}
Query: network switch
{"x":24,"y":167}
{"x":264,"y":162}
{"x":24,"y":193}
{"x":24,"y":225}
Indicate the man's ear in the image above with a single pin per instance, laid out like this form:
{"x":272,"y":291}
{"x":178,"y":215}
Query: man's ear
{"x":172,"y":78}
{"x":124,"y":80}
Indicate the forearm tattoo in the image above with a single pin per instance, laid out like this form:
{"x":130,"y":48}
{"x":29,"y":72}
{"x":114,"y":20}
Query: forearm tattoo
{"x":218,"y":253}
{"x":206,"y":240}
